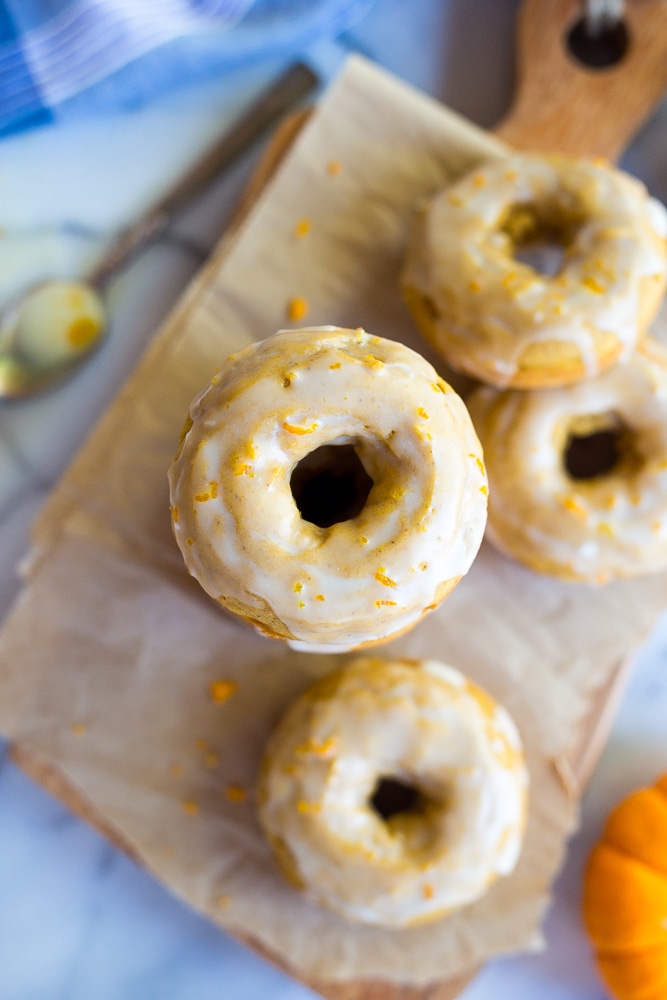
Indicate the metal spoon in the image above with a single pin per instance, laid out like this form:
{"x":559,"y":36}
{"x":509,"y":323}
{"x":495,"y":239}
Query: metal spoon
{"x":56,"y":325}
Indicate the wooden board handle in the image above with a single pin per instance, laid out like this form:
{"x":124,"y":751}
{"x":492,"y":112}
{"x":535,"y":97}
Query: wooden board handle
{"x":562,"y":104}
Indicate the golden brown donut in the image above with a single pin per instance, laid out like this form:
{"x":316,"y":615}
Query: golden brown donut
{"x":310,"y":407}
{"x":394,"y":791}
{"x":494,"y":316}
{"x":578,"y":475}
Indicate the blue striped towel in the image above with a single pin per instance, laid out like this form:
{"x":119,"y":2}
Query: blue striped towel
{"x":69,"y":57}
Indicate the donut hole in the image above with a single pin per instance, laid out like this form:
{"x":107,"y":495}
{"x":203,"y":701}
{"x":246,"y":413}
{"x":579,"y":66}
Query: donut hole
{"x":539,"y":235}
{"x":392,"y":797}
{"x":596,"y":445}
{"x":330,"y":485}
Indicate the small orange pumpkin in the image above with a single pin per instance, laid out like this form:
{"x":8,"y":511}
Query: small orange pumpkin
{"x":625,"y":896}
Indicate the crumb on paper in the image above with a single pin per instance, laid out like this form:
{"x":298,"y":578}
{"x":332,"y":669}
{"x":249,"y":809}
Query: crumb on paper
{"x":78,"y":729}
{"x":222,"y":691}
{"x":302,"y":228}
{"x":297,"y":308}
{"x":235,"y":793}
{"x":190,"y":808}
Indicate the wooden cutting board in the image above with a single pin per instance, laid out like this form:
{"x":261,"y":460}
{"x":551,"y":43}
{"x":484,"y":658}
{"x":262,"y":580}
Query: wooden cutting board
{"x":559,"y":105}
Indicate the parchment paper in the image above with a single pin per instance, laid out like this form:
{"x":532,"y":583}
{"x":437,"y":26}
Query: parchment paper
{"x":107,"y":660}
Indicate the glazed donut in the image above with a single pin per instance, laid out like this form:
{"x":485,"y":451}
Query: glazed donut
{"x":579,"y":475}
{"x":394,"y":791}
{"x":333,"y":411}
{"x":495,"y":317}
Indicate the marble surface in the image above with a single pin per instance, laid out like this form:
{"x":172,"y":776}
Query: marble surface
{"x":77,"y":919}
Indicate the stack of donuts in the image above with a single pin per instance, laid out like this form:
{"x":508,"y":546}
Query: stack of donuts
{"x":329,"y":489}
{"x":539,"y":276}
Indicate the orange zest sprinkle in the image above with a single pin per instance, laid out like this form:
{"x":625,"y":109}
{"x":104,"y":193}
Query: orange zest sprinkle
{"x":336,"y":365}
{"x":484,"y":490}
{"x":479,"y":180}
{"x":334,"y":167}
{"x":307,"y":807}
{"x":428,"y":892}
{"x":201,"y":745}
{"x":381,"y":577}
{"x":78,"y":729}
{"x":298,"y":587}
{"x":592,"y":285}
{"x":573,"y":505}
{"x":176,"y":771}
{"x":422,"y":435}
{"x":174,"y":514}
{"x":223,"y":901}
{"x":222,"y":691}
{"x":302,"y":228}
{"x":363,"y":540}
{"x":320,"y":597}
{"x":455,"y":199}
{"x":243,"y":469}
{"x":212,"y":759}
{"x":211,"y":494}
{"x":319,"y":749}
{"x":380,"y":604}
{"x":190,"y":808}
{"x":235,"y":793}
{"x":606,"y":529}
{"x":422,"y":413}
{"x":295,"y":429}
{"x":373,"y":362}
{"x":474,"y":286}
{"x":297,"y":308}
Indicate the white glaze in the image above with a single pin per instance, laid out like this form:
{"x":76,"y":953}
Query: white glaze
{"x":610,"y":526}
{"x":420,"y":722}
{"x":492,"y":307}
{"x":362,"y":579}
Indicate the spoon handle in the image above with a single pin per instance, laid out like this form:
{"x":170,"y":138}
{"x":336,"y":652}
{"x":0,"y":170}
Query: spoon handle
{"x":289,"y":88}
